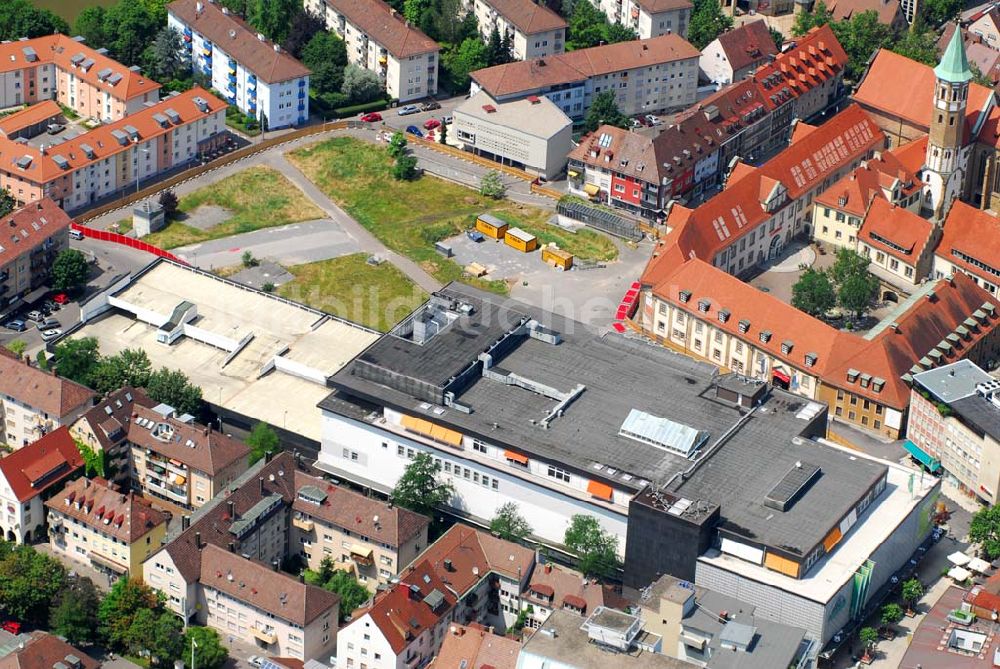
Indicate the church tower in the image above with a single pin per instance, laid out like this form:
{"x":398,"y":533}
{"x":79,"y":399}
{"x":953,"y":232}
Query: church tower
{"x":947,"y":154}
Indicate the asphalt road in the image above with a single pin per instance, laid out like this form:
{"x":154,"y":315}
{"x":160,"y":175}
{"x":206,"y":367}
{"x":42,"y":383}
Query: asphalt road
{"x":293,"y":244}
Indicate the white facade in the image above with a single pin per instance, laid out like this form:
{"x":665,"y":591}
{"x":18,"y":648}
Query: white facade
{"x":647,"y":21}
{"x":362,"y":643}
{"x":525,"y":46}
{"x":17,"y":520}
{"x":284,"y":103}
{"x":483,"y":482}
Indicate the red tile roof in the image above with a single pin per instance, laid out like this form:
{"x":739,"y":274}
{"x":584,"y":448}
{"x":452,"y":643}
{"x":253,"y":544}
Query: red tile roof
{"x":62,"y":51}
{"x":748,"y":44}
{"x":401,"y":613}
{"x":816,"y":58}
{"x":475,"y":648}
{"x":23,"y":231}
{"x":29,"y":116}
{"x":975,"y":233}
{"x":127,"y":516}
{"x":109,"y":418}
{"x":529,"y":75}
{"x":260,"y":586}
{"x":854,"y":192}
{"x":234,"y":36}
{"x":197,"y":446}
{"x":527,"y":16}
{"x":561,"y":585}
{"x":43,"y":167}
{"x":889,"y":11}
{"x":388,"y":28}
{"x":42,"y":650}
{"x":41,"y":464}
{"x":40,"y":389}
{"x":900,"y":227}
{"x":657,"y":6}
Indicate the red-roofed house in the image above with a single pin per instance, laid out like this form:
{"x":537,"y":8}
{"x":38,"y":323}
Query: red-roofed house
{"x":28,"y":477}
{"x":890,"y":12}
{"x":553,"y":587}
{"x":970,"y":244}
{"x":735,"y":54}
{"x":900,"y":246}
{"x":475,"y":647}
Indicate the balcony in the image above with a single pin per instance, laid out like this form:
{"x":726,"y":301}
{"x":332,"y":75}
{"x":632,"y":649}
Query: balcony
{"x":362,"y":555}
{"x":268,"y":637}
{"x":304,"y":523}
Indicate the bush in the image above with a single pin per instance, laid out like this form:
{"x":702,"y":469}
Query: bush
{"x":354,"y":110}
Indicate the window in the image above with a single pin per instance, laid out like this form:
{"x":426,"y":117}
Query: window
{"x":478,"y":446}
{"x":558,"y":474}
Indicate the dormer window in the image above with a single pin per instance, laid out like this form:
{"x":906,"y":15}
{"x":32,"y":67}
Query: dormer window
{"x":703,"y":306}
{"x":852,"y":375}
{"x":786,"y":347}
{"x":723,"y":315}
{"x":811,"y":359}
{"x":744,"y":325}
{"x":765,"y":336}
{"x":685,"y":296}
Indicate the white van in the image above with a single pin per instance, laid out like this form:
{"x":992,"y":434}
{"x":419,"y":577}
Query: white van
{"x":75,"y":234}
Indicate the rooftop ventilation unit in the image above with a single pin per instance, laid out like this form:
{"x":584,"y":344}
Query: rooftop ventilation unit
{"x":791,"y":486}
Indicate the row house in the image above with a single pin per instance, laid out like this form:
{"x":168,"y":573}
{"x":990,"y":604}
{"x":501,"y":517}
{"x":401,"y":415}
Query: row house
{"x":35,"y":402}
{"x":900,"y":246}
{"x":96,"y":164}
{"x":255,"y":74}
{"x":104,"y":427}
{"x":534,"y":30}
{"x":553,"y":587}
{"x":970,"y":244}
{"x":735,"y":54}
{"x":97,"y":525}
{"x":379,"y":39}
{"x":64,"y":69}
{"x":649,"y":18}
{"x":37,"y":233}
{"x":177,"y":460}
{"x":647,"y":76}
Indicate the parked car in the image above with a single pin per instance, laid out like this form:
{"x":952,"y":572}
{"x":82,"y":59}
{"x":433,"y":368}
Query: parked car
{"x":49,"y":335}
{"x":371,"y":117}
{"x":414,"y":130}
{"x":17,"y":325}
{"x":35,"y":315}
{"x":447,"y":120}
{"x":641,"y":120}
{"x":60,"y":298}
{"x":11,"y":626}
{"x":475,"y":235}
{"x":408,"y":109}
{"x":75,"y":234}
{"x":255,"y":661}
{"x":432,"y":123}
{"x":653,"y":120}
{"x":430,"y":106}
{"x":49,"y":324}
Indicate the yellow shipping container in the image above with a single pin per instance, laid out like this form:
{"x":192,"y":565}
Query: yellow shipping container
{"x":520,"y":240}
{"x":491,"y":226}
{"x":558,"y":257}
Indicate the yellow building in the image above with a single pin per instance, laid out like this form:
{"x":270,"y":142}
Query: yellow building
{"x":520,"y":240}
{"x":557,"y":257}
{"x":93,"y":523}
{"x":491,"y":226}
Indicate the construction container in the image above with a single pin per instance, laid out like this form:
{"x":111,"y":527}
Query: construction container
{"x":520,"y":240}
{"x":557,"y":257}
{"x":491,"y":226}
{"x":444,"y":249}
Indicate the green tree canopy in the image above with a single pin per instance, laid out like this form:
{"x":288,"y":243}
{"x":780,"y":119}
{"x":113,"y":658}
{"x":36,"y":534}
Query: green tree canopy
{"x":892,"y":613}
{"x":847,"y":263}
{"x":74,"y":614}
{"x":936,"y":12}
{"x":129,"y":367}
{"x":868,"y":637}
{"x":89,"y":24}
{"x":7,"y":202}
{"x":604,"y":111}
{"x":29,"y":583}
{"x":262,"y":440}
{"x":119,"y":609}
{"x":861,"y":36}
{"x":491,"y":185}
{"x":912,"y":591}
{"x":419,"y":488}
{"x":616,"y":32}
{"x":806,"y":21}
{"x":209,"y":653}
{"x":326,"y":55}
{"x":20,"y":18}
{"x":405,"y":168}
{"x":303,"y":27}
{"x":76,"y":359}
{"x":509,"y":524}
{"x":468,"y":57}
{"x":352,"y":594}
{"x":166,"y":58}
{"x":918,"y":44}
{"x":361,"y":85}
{"x":397,"y":144}
{"x":129,"y":28}
{"x":985,"y":531}
{"x":708,"y":21}
{"x":271,"y":17}
{"x":70,"y":270}
{"x":595,"y":548}
{"x":173,"y":388}
{"x":857,"y":292}
{"x":587,"y":26}
{"x":813,"y":293}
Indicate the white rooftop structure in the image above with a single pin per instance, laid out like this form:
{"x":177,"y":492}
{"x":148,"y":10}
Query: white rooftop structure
{"x":537,"y":116}
{"x":662,"y":432}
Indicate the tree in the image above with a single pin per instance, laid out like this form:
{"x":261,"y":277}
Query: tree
{"x":616,"y":32}
{"x":978,"y":77}
{"x":361,"y":86}
{"x":17,"y":347}
{"x":813,"y":293}
{"x":911,"y":593}
{"x":95,"y":463}
{"x":174,"y":388}
{"x":443,"y":133}
{"x":168,"y":200}
{"x":271,"y":16}
{"x":491,"y":185}
{"x":166,"y":58}
{"x":74,"y":615}
{"x":304,"y":26}
{"x":419,"y":489}
{"x":936,"y":12}
{"x":509,"y":524}
{"x":130,"y":367}
{"x":507,"y":49}
{"x":857,"y":292}
{"x":708,"y":21}
{"x":868,"y":638}
{"x":262,"y":441}
{"x":20,"y":18}
{"x":352,"y":594}
{"x":776,"y":36}
{"x":42,"y":359}
{"x":806,"y":21}
{"x":76,"y":359}
{"x":587,"y":26}
{"x":238,"y":7}
{"x":405,"y":168}
{"x":129,"y":27}
{"x":847,"y":263}
{"x":248,"y":260}
{"x":89,"y":24}
{"x":7,"y":202}
{"x":29,"y":582}
{"x":604,"y":111}
{"x":70,"y":270}
{"x":209,"y":653}
{"x":918,"y":44}
{"x":595,"y":548}
{"x":861,"y":36}
{"x":892,"y":613}
{"x":494,"y":48}
{"x":468,"y":57}
{"x":415,"y":11}
{"x":326,"y":55}
{"x":397,"y":145}
{"x":119,"y":608}
{"x":985,"y":531}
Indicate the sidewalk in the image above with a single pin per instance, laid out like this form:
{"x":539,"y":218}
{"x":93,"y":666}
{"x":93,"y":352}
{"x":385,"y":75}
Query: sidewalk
{"x":890,"y":652}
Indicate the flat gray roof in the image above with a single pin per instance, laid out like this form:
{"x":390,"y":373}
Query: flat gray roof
{"x":539,"y":117}
{"x":952,"y":382}
{"x":585,"y":436}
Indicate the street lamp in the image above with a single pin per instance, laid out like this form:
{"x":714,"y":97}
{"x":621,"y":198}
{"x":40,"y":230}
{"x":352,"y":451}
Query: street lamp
{"x":193,"y":646}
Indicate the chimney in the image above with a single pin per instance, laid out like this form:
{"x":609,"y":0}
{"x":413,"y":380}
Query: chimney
{"x":231,"y":507}
{"x":260,"y":480}
{"x":197,"y":540}
{"x":185,"y":522}
{"x":232,"y":546}
{"x":448,"y":565}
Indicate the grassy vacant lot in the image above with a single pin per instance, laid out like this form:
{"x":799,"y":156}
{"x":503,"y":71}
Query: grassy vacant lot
{"x":376,"y":296}
{"x":258,"y":197}
{"x":410,"y":216}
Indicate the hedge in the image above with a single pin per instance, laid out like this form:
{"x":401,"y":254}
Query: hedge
{"x":353,"y":110}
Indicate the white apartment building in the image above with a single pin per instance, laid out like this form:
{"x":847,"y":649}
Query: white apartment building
{"x":532,"y":134}
{"x":534,"y":29}
{"x":648,"y":76}
{"x":649,"y":18}
{"x":380,"y":40}
{"x":253,"y":73}
{"x":34,"y":402}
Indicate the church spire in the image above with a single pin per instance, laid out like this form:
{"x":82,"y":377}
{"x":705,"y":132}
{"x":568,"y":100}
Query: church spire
{"x":954,"y":65}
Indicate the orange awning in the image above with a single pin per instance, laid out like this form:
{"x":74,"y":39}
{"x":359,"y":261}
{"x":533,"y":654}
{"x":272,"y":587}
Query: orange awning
{"x":516,"y":457}
{"x":831,"y":539}
{"x":783,"y":565}
{"x":600,"y":490}
{"x":429,"y":429}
